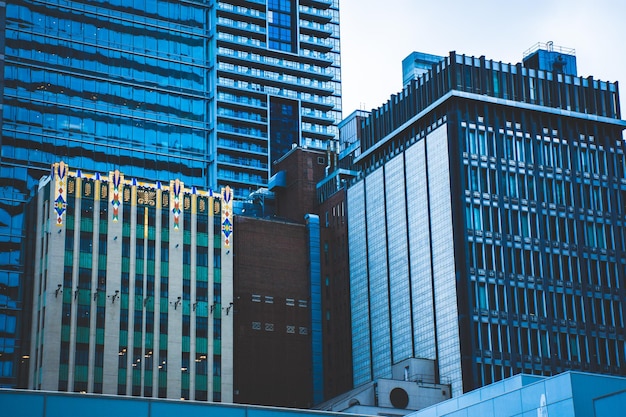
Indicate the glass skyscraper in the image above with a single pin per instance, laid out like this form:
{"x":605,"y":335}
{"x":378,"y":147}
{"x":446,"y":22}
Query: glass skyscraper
{"x":210,"y":92}
{"x":487,"y":230}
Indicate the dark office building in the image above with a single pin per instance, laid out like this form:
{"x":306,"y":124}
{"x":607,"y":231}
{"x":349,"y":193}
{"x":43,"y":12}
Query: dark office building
{"x":487,"y":230}
{"x":335,"y":292}
{"x":333,"y":210}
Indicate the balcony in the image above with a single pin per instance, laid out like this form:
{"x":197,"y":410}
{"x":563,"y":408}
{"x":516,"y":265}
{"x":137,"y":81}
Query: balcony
{"x":239,"y":162}
{"x":318,"y":4}
{"x":238,"y":12}
{"x":241,"y":27}
{"x":230,"y":144}
{"x":240,"y":41}
{"x":321,"y":16}
{"x":318,"y":72}
{"x":229,"y":177}
{"x":238,"y":131}
{"x":315,"y":29}
{"x":318,"y":133}
{"x":242,"y":118}
{"x":315,"y":43}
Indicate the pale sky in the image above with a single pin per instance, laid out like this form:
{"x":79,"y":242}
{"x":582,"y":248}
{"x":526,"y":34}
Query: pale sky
{"x":377,"y":34}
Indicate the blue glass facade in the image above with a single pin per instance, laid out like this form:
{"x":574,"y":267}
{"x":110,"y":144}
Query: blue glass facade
{"x":493,"y":199}
{"x":101,"y":85}
{"x":157,"y":89}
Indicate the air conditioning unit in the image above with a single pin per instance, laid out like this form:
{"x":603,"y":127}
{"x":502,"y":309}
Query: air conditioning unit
{"x":409,"y":395}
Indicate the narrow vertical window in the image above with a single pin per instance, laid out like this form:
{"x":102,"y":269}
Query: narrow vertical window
{"x":284,"y":126}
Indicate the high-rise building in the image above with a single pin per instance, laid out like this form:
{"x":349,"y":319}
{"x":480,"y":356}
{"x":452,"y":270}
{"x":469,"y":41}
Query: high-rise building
{"x":277,"y":84}
{"x":132,"y":288}
{"x":486,"y":229}
{"x":210,"y":92}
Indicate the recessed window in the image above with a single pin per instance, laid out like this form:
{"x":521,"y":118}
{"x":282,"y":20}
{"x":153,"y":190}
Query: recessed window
{"x":256,"y":325}
{"x":256,"y":298}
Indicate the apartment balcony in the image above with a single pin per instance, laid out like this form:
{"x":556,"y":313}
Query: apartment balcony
{"x":278,"y":81}
{"x":241,"y":119}
{"x":239,"y":27}
{"x":322,"y":105}
{"x":241,"y":132}
{"x":239,"y":162}
{"x":318,"y":44}
{"x":237,"y":42}
{"x":318,"y":4}
{"x":239,"y":146}
{"x":237,"y":12}
{"x":231,"y":177}
{"x":243,"y":102}
{"x":310,"y":13}
{"x":318,"y":58}
{"x":280,"y":65}
{"x":315,"y":29}
{"x":313,"y":117}
{"x":261,"y":3}
{"x":319,"y":133}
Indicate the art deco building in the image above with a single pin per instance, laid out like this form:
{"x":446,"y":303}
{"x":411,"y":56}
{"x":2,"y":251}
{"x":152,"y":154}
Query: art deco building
{"x":487,"y":230}
{"x":210,"y":92}
{"x":132,"y":288}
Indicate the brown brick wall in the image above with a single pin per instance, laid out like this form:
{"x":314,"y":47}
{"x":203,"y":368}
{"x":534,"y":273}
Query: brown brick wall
{"x":272,"y":365}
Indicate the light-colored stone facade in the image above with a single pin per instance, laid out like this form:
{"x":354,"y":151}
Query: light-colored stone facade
{"x":132,"y":288}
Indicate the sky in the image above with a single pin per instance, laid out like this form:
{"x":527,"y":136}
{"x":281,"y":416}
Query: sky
{"x":376,"y":35}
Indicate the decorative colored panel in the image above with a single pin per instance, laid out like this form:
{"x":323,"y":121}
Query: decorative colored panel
{"x":59,"y":175}
{"x":227,"y":215}
{"x":116,"y":184}
{"x":177,"y":188}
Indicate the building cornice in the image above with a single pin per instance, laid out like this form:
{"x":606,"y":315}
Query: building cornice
{"x":491,"y":100}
